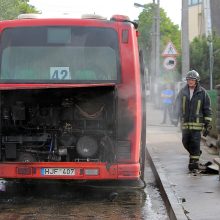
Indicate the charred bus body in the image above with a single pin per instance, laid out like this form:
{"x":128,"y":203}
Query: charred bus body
{"x":70,"y":99}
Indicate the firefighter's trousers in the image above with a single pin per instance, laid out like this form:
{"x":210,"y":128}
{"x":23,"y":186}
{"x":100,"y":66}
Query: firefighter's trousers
{"x":191,"y":141}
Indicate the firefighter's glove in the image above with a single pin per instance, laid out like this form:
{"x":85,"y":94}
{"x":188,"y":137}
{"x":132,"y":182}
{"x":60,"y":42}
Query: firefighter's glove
{"x":207,"y":128}
{"x":207,"y":124}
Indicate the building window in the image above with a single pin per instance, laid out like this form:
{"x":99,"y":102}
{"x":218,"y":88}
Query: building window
{"x":194,"y":2}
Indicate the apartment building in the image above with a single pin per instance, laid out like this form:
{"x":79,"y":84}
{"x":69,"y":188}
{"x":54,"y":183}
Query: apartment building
{"x":204,"y":17}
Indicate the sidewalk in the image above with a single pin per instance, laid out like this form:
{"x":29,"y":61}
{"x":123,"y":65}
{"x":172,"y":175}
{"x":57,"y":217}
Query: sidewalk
{"x":192,"y":196}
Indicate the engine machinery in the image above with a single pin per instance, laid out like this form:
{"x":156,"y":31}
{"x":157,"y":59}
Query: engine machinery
{"x":74,"y":124}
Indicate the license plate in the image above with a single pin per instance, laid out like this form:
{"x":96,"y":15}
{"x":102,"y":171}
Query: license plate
{"x":58,"y":171}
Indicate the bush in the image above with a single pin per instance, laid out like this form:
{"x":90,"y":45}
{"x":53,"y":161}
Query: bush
{"x":213,"y":97}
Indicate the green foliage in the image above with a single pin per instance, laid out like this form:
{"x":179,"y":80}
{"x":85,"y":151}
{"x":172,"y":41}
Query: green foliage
{"x":145,"y":29}
{"x":200,"y":60}
{"x":216,"y":57}
{"x":213,"y":97}
{"x":168,"y":31}
{"x":199,"y":57}
{"x":24,"y":7}
{"x":10,"y":9}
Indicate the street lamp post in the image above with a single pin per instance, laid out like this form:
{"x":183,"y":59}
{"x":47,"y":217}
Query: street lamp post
{"x":211,"y":61}
{"x":185,"y":38}
{"x":138,"y":5}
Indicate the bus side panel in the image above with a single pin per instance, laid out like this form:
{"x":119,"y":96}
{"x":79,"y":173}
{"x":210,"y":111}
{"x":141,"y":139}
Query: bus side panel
{"x":129,"y":95}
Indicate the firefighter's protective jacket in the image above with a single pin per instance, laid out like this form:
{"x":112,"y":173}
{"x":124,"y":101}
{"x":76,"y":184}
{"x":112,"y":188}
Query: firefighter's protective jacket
{"x":194,"y":113}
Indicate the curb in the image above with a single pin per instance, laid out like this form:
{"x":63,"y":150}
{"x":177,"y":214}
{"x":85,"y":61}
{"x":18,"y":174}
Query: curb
{"x":174,"y":208}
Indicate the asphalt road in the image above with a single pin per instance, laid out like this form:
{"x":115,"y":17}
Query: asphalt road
{"x":70,"y":200}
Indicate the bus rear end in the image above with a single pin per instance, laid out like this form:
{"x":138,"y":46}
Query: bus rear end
{"x":70,"y":99}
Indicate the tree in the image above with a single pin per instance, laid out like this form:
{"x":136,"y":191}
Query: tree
{"x":10,"y":9}
{"x":199,"y":58}
{"x":168,"y":31}
{"x":216,"y":59}
{"x":145,"y":28}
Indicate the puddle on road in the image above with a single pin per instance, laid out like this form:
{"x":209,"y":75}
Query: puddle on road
{"x":59,"y":200}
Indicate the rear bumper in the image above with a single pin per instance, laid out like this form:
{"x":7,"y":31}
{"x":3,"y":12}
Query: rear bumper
{"x":70,"y":170}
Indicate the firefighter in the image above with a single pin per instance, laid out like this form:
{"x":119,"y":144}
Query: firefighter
{"x":192,"y":107}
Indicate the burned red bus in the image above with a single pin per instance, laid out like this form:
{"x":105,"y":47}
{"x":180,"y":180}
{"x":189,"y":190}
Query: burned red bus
{"x":70,"y":99}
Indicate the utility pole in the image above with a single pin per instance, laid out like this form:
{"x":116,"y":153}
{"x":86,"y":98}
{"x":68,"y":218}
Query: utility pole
{"x":153,"y":34}
{"x":185,"y":38}
{"x":208,"y":33}
{"x":157,"y":52}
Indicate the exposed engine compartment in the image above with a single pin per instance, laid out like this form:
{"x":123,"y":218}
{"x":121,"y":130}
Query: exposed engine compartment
{"x":68,"y":124}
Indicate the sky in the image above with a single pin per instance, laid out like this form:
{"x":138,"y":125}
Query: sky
{"x":105,"y":8}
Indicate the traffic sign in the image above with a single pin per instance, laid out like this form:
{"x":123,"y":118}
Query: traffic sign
{"x":169,"y":63}
{"x":170,"y":50}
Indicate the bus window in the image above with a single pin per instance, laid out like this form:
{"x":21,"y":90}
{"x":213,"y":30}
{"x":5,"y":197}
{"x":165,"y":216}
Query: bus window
{"x":59,"y":54}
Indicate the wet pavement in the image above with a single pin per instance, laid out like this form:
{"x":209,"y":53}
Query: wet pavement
{"x":187,"y":196}
{"x":192,"y":196}
{"x":82,"y":200}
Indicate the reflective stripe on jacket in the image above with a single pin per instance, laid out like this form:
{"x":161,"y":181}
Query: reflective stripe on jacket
{"x":195,"y":112}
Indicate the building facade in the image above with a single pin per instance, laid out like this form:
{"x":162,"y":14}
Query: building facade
{"x":203,"y":17}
